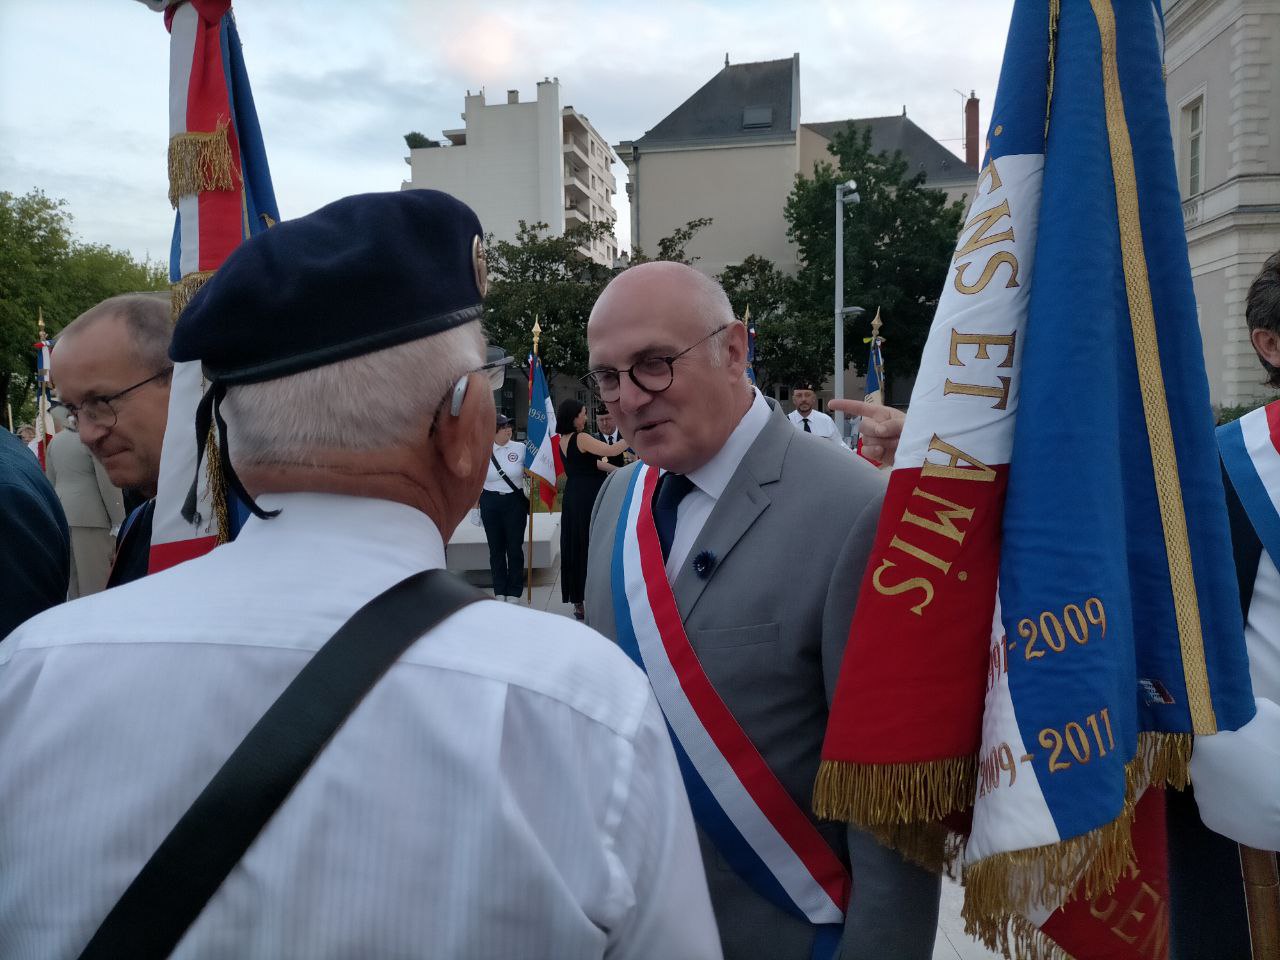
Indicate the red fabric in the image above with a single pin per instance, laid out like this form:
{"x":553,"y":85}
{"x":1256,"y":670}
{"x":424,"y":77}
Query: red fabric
{"x":1273,"y":423}
{"x":1131,"y":922}
{"x":166,"y":555}
{"x":906,"y":624}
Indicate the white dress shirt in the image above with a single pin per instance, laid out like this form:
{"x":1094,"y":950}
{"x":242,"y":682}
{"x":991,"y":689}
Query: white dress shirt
{"x":820,"y":425}
{"x":510,"y":457}
{"x":1236,"y":775}
{"x":709,"y":481}
{"x":507,"y":790}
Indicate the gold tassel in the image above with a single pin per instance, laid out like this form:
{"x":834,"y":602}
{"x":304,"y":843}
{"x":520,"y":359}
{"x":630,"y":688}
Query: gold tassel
{"x":1020,"y":939}
{"x":180,"y":293}
{"x":1002,"y":887}
{"x":217,"y":485}
{"x":892,"y":793}
{"x":199,"y":162}
{"x":928,"y":845}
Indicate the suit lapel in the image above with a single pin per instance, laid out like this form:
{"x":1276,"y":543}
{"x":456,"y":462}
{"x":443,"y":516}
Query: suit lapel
{"x":744,"y":499}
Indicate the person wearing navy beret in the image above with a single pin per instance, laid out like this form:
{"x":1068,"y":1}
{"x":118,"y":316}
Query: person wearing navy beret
{"x":505,"y":786}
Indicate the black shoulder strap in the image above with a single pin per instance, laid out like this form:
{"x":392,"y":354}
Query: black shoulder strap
{"x":502,"y":473}
{"x":1245,"y":544}
{"x":211,"y":837}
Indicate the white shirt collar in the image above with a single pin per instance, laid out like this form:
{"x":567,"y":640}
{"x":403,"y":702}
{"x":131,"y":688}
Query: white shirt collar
{"x":333,"y":523}
{"x":714,"y":475}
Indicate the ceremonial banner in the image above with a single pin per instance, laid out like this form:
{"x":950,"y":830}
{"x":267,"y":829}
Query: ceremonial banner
{"x":875,"y":376}
{"x":1049,"y":610}
{"x":541,"y":456}
{"x":220,"y":185}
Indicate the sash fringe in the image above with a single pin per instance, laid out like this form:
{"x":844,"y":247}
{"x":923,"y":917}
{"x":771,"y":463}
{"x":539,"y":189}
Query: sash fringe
{"x":217,"y":485}
{"x":199,"y":162}
{"x":1001,"y":888}
{"x":180,"y":293}
{"x":885,"y":794}
{"x":1023,"y":940}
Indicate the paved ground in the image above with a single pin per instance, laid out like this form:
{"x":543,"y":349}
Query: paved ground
{"x":951,"y":942}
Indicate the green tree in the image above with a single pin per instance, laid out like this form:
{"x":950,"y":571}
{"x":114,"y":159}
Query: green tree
{"x":545,"y":277}
{"x":898,"y":243}
{"x":548,"y":277}
{"x":673,"y":247}
{"x":790,"y":347}
{"x":44,"y":268}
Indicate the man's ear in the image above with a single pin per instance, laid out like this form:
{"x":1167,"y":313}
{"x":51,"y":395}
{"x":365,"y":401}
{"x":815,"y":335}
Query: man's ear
{"x":1267,"y":344}
{"x":459,"y":438}
{"x":735,"y":346}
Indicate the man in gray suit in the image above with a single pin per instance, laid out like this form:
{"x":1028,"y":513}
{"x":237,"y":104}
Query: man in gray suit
{"x":94,"y":509}
{"x":771,"y":531}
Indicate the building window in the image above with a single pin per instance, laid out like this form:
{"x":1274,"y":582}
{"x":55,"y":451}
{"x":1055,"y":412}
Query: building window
{"x":1193,"y":144}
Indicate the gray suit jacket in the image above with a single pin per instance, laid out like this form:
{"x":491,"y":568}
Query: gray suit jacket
{"x":791,"y":535}
{"x":88,"y":498}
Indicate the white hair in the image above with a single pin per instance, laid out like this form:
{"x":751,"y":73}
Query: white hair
{"x":714,"y":310}
{"x":371,"y":402}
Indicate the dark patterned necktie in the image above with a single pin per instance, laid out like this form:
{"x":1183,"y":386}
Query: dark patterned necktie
{"x":672,"y":488}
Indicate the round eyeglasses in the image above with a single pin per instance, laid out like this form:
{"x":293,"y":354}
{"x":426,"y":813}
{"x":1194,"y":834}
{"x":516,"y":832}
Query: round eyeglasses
{"x":100,"y":411}
{"x":650,"y":374}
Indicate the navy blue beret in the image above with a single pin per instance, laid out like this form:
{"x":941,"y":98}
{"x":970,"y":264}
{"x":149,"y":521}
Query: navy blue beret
{"x":361,"y":274}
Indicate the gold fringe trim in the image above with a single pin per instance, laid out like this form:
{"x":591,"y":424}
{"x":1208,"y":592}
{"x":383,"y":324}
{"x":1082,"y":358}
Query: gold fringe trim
{"x":180,"y":293}
{"x":928,"y":845}
{"x":199,"y":162}
{"x":1020,"y":939}
{"x":217,"y":485}
{"x":1002,"y":887}
{"x":1055,"y":11}
{"x":894,"y":793}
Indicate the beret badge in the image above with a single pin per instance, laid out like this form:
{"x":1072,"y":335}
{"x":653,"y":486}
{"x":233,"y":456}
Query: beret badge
{"x":480,"y":265}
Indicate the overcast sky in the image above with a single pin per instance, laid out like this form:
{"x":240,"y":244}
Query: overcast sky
{"x":84,"y":83}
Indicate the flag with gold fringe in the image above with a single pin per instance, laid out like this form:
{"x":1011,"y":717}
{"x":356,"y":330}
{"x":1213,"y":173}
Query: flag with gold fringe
{"x":220,"y":186}
{"x":1049,"y":610}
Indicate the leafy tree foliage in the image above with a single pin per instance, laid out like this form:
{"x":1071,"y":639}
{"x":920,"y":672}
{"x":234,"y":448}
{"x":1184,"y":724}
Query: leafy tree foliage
{"x":790,"y":347}
{"x":548,"y":278}
{"x":898,"y":243}
{"x":43,"y":267}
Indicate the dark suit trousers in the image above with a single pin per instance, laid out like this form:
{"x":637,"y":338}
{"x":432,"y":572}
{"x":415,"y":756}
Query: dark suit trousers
{"x":504,"y":516}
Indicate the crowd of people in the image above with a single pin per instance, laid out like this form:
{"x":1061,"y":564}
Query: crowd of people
{"x":503,"y":782}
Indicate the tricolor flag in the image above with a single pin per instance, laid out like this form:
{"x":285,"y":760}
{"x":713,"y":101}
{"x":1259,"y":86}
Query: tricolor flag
{"x":751,"y":346}
{"x":44,"y":397}
{"x":542,"y":453}
{"x":875,"y":379}
{"x":220,"y":185}
{"x":1049,"y":610}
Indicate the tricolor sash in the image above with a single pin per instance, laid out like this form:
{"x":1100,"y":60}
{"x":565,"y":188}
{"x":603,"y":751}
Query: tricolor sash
{"x":1250,"y":449}
{"x":736,"y":799}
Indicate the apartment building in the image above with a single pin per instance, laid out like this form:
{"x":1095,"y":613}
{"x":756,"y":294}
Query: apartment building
{"x":534,"y":160}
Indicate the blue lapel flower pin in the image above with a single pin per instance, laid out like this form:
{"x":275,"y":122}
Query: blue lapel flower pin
{"x":703,"y":564}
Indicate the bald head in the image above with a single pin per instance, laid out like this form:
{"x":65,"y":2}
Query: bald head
{"x":659,"y":310}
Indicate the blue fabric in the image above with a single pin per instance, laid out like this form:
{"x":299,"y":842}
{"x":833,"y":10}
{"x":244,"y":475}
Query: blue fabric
{"x":672,"y":488}
{"x":1082,"y":518}
{"x":35,"y":544}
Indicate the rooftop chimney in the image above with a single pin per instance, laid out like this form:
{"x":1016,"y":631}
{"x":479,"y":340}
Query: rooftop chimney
{"x":513,"y":96}
{"x":971,"y":130}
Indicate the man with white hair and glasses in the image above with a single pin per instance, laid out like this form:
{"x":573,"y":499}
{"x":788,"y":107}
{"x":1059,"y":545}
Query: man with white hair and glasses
{"x":312,"y":741}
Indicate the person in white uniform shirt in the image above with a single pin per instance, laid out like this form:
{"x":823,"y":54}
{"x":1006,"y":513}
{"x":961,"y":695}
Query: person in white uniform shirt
{"x":507,"y":789}
{"x":504,"y":510}
{"x":808,"y":419}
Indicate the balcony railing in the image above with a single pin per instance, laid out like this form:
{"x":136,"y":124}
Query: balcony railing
{"x":1192,"y":211}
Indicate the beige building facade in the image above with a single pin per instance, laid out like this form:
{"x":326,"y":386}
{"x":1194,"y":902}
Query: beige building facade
{"x":731,"y":152}
{"x":536,"y":160}
{"x":1222,"y":62}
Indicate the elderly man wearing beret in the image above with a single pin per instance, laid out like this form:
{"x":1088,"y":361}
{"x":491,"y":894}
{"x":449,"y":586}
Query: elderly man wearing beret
{"x":313,"y":742}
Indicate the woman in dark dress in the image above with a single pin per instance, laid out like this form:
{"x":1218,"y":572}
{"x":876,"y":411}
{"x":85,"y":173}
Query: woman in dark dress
{"x":584,"y":475}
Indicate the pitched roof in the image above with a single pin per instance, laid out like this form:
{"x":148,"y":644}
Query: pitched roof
{"x":920,"y":150}
{"x":743,"y":102}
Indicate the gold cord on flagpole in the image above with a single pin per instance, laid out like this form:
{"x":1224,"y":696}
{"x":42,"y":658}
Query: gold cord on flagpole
{"x":200,"y":161}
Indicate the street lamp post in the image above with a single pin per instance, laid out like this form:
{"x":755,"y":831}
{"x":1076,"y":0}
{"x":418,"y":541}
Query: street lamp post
{"x":846,"y":193}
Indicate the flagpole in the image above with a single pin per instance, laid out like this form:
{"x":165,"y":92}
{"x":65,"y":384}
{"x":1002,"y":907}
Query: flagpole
{"x":528,"y":579}
{"x":40,"y":406}
{"x":1262,"y":901}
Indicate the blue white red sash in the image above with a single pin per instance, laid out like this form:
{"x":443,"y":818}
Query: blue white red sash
{"x":1250,"y":450}
{"x":736,"y":799}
